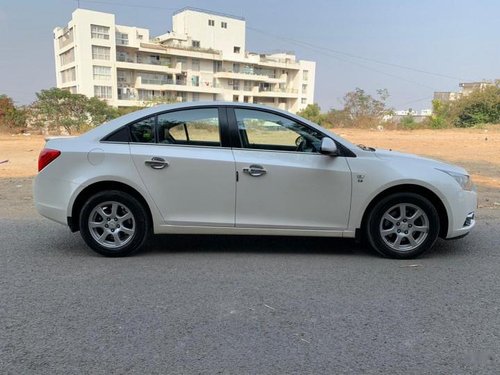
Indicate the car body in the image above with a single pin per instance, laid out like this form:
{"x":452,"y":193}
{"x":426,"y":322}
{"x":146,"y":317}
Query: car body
{"x":236,"y":168}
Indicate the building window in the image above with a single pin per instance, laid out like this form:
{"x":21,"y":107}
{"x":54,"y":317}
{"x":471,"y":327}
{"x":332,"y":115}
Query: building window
{"x":66,"y":38}
{"x":247,"y":85}
{"x":236,"y":84}
{"x":99,"y":32}
{"x":217,"y":66}
{"x":223,"y":25}
{"x":183,"y":61}
{"x":122,"y":39}
{"x":123,"y":76}
{"x":236,"y":49}
{"x":156,"y":79}
{"x":236,"y":68}
{"x":303,"y":101}
{"x":195,"y":65}
{"x":103,"y":92}
{"x":67,"y":57}
{"x":304,"y":89}
{"x":195,"y":43}
{"x":305,"y":75}
{"x":196,"y":96}
{"x":102,"y":73}
{"x":100,"y":53}
{"x":211,"y":23}
{"x":145,"y":94}
{"x":68,"y":75}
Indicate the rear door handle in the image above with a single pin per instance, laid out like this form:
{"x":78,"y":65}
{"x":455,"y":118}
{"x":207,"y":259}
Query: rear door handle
{"x":157,"y":163}
{"x":255,"y":170}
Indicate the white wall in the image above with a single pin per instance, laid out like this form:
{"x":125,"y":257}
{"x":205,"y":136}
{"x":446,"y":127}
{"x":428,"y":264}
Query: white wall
{"x":195,"y":25}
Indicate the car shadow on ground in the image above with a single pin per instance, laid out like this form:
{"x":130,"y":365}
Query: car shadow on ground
{"x":72,"y":244}
{"x":255,"y":244}
{"x":285,"y":245}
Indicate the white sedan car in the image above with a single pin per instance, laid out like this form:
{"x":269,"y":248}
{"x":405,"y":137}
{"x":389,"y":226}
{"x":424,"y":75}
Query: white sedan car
{"x":235,"y":168}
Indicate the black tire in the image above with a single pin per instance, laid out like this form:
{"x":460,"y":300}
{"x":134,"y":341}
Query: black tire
{"x":391,"y":237}
{"x":114,"y":235}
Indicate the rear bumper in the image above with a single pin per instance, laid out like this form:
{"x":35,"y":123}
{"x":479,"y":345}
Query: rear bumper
{"x":51,"y":197}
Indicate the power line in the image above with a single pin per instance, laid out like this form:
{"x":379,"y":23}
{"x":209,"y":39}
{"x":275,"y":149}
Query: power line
{"x":333,"y":51}
{"x":329,"y":54}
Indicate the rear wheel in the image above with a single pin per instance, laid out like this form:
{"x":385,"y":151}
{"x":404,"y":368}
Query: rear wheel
{"x":114,"y":223}
{"x":403,"y":225}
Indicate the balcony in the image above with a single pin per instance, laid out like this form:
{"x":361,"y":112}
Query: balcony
{"x":146,"y":81}
{"x":130,"y":63}
{"x":250,"y":76}
{"x":279,"y":63}
{"x":122,"y":42}
{"x":277,"y":92}
{"x":187,"y":51}
{"x":177,"y":85}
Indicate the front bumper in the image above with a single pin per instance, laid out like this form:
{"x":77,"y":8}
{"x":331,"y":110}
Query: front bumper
{"x":463,"y":214}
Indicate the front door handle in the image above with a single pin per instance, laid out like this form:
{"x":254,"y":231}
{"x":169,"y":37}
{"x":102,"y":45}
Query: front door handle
{"x":157,"y":163}
{"x":255,"y":170}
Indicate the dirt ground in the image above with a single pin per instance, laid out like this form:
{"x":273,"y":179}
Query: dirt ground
{"x":478,"y":150}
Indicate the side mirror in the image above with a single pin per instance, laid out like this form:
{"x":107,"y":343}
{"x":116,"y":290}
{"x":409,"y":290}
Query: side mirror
{"x":328,"y":147}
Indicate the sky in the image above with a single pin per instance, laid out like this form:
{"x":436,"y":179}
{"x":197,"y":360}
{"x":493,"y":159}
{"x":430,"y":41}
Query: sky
{"x":409,"y":47}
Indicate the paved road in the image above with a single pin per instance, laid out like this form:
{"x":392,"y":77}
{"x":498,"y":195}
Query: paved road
{"x":246,"y":306}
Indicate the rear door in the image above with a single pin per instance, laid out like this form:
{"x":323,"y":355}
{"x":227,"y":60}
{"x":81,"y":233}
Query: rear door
{"x":182,"y":161}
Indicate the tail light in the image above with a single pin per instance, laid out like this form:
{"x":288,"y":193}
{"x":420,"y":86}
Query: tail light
{"x":47,"y":156}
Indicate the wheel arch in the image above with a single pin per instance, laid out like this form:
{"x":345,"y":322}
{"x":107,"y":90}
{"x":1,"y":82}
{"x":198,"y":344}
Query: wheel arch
{"x":411,"y":188}
{"x":96,"y":187}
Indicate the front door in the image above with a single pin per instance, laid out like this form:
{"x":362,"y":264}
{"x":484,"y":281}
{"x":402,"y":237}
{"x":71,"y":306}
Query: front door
{"x":284,"y":182}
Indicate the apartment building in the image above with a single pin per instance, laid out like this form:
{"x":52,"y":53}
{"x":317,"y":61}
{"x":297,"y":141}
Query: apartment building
{"x":204,"y":57}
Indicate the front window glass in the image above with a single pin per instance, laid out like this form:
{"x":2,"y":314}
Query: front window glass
{"x":267,"y":131}
{"x":199,"y":127}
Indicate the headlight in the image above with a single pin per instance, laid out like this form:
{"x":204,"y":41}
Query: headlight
{"x":463,"y":180}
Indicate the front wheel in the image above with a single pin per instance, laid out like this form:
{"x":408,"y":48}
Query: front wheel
{"x":403,"y":225}
{"x":114,"y":223}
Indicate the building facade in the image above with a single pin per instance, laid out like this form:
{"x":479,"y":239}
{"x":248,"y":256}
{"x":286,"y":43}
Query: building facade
{"x":466,"y":89}
{"x":202,"y":58}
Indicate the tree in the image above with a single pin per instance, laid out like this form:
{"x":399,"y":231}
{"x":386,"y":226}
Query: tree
{"x":11,"y":117}
{"x":56,"y":108}
{"x":99,"y":111}
{"x":440,"y":117}
{"x":361,"y":109}
{"x":482,"y":106}
{"x":313,"y":113}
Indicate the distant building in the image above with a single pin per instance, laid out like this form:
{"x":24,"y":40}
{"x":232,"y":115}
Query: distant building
{"x":202,"y":58}
{"x":466,"y":89}
{"x":418,"y":117}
